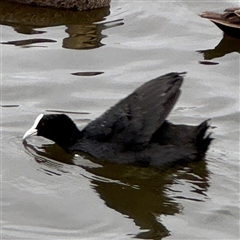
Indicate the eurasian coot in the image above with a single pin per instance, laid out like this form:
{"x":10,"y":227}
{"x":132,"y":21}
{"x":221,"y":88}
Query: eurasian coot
{"x":134,"y":130}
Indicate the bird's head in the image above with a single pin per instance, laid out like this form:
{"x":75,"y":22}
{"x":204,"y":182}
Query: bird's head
{"x":56,"y":127}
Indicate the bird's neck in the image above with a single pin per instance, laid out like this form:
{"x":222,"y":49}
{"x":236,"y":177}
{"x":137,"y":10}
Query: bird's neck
{"x":69,"y":139}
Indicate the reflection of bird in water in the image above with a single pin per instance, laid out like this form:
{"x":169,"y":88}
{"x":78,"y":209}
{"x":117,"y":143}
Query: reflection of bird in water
{"x":87,"y":36}
{"x":142,"y":194}
{"x":134,"y":131}
{"x":25,"y":18}
{"x":67,"y":4}
{"x":225,"y":46}
{"x":229,"y":22}
{"x":84,"y":27}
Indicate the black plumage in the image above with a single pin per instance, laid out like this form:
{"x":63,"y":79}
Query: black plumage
{"x":133,"y":131}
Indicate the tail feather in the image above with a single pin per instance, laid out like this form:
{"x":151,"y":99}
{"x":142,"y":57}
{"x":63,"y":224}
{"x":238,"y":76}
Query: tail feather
{"x":202,"y":140}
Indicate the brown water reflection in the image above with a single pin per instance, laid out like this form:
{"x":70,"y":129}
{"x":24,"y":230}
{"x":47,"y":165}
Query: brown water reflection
{"x":142,"y":194}
{"x":28,"y":41}
{"x":86,"y":74}
{"x":82,"y":27}
{"x":225,"y":46}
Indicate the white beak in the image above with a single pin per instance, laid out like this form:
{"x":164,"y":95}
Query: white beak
{"x":30,"y":132}
{"x":33,"y":130}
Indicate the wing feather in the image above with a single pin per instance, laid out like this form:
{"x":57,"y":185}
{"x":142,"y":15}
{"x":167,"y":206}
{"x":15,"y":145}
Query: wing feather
{"x":134,"y":119}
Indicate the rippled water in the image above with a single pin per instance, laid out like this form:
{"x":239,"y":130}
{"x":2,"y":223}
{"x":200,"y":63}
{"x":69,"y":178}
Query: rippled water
{"x":84,"y":62}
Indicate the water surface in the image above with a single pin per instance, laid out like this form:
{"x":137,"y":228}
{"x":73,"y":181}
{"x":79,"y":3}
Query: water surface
{"x":81,"y":63}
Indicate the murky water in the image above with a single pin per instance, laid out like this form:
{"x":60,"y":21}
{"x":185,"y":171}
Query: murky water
{"x":84,"y":62}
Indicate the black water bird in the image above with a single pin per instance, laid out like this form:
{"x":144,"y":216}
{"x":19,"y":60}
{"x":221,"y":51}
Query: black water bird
{"x":133,"y":131}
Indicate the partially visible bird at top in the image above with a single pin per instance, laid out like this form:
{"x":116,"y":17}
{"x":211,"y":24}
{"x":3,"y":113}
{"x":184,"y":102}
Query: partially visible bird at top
{"x":228,"y":22}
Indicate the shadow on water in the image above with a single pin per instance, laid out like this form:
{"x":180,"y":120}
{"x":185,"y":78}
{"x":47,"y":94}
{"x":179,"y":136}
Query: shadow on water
{"x":225,"y":46}
{"x":83,"y":27}
{"x":142,"y":194}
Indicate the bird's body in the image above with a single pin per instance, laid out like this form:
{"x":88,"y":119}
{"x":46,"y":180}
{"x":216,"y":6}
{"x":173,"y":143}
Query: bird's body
{"x":172,"y":143}
{"x":228,"y":22}
{"x":134,"y":130}
{"x":67,"y":4}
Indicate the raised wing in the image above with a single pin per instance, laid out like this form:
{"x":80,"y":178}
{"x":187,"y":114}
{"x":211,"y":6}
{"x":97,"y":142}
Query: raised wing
{"x":134,"y":119}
